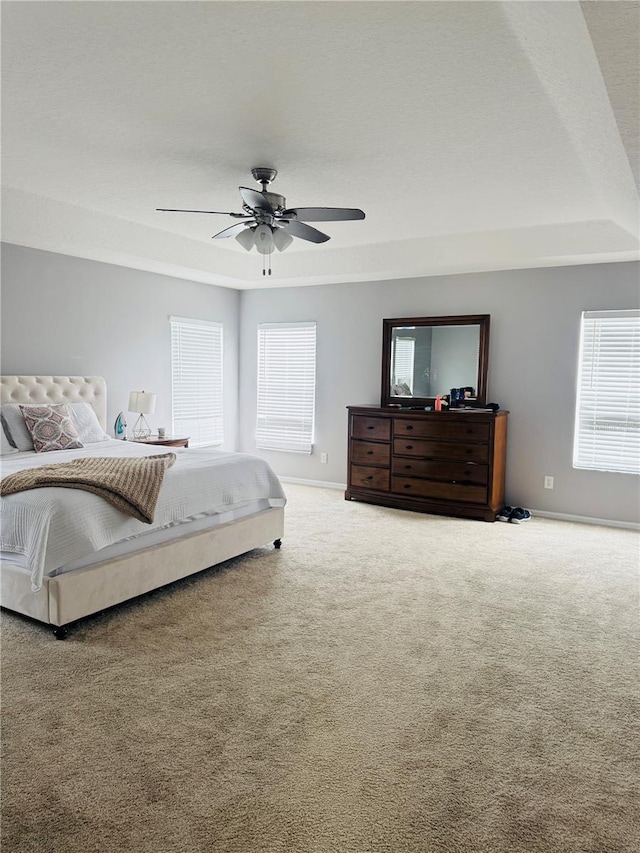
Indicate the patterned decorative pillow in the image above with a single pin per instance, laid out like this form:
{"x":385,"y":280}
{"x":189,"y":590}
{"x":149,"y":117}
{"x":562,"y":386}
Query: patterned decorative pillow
{"x":51,"y":428}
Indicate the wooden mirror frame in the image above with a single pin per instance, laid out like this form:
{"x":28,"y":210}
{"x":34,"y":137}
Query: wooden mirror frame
{"x":481,"y":320}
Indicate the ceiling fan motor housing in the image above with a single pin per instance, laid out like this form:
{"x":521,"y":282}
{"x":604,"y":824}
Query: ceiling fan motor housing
{"x":277,"y":205}
{"x":277,"y":202}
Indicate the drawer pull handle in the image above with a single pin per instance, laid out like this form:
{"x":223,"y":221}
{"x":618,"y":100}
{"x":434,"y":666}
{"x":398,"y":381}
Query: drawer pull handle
{"x":369,"y":427}
{"x":369,"y":452}
{"x":408,"y":467}
{"x":407,"y":486}
{"x":409,"y":447}
{"x":409,"y":426}
{"x":370,"y":477}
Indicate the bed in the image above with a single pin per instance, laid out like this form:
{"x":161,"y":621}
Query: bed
{"x":245,"y":511}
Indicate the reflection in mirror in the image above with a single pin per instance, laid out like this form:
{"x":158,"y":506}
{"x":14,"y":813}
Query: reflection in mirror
{"x":423,"y":357}
{"x":431,"y":360}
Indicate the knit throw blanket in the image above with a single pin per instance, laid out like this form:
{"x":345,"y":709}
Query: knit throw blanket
{"x":131,"y":485}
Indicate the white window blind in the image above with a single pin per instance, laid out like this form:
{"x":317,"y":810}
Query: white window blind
{"x":196,"y":374}
{"x":607,"y":425}
{"x":404,"y":360}
{"x":286,"y":386}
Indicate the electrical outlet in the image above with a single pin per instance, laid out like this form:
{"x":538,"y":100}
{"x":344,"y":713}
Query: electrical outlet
{"x":324,"y":458}
{"x":548,"y":481}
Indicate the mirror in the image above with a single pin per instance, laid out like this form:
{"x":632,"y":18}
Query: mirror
{"x":426,"y":356}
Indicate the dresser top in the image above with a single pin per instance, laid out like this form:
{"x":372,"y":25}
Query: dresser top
{"x":419,"y":412}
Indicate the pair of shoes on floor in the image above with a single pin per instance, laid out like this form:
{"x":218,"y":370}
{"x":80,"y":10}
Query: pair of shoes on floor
{"x":514,"y":514}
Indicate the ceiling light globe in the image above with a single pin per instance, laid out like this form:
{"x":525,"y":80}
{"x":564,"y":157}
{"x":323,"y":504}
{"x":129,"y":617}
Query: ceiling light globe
{"x":282,"y":239}
{"x":263,"y":239}
{"x":245,"y":238}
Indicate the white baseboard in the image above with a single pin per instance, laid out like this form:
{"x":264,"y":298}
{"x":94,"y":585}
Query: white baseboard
{"x":536,"y":513}
{"x":584,"y":519}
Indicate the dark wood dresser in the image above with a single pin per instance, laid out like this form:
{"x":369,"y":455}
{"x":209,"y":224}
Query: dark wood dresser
{"x":452,"y":463}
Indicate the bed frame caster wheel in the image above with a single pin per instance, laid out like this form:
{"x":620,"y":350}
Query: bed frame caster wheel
{"x":60,"y":632}
{"x":277,"y":544}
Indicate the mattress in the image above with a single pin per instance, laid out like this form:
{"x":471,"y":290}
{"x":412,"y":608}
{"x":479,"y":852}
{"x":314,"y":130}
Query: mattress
{"x":53,"y":530}
{"x":185,"y":527}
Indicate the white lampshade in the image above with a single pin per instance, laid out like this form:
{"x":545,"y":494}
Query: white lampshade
{"x":245,"y":238}
{"x":282,"y":239}
{"x":263,"y":239}
{"x":142,"y":402}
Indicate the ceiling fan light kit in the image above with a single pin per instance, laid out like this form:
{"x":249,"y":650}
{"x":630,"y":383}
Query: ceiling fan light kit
{"x":269,"y":224}
{"x":263,"y":239}
{"x":281,"y":239}
{"x":245,"y":238}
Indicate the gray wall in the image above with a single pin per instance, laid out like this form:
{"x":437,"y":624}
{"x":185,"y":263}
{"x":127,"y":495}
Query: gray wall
{"x":64,"y":315}
{"x":535,"y":322}
{"x":72,"y":316}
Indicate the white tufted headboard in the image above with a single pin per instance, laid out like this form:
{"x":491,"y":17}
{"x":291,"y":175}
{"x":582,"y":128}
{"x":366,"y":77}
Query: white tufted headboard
{"x":57,"y":389}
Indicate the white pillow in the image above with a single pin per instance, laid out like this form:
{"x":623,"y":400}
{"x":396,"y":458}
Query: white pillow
{"x":15,"y":427}
{"x":84,"y":419}
{"x":86,"y":423}
{"x":5,"y":446}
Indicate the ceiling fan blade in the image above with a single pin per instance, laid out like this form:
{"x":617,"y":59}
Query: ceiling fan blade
{"x":181,"y":210}
{"x":255,"y":199}
{"x":231,"y":231}
{"x":305,"y":232}
{"x":324,"y":214}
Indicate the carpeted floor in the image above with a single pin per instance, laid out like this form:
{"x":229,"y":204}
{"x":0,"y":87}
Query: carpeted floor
{"x":388,"y":682}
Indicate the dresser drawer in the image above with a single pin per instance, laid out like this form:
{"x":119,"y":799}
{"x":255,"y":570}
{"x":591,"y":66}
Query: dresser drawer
{"x":432,"y":451}
{"x":460,"y":471}
{"x":441,"y":491}
{"x":363,"y":476}
{"x":437,"y":428}
{"x":370,"y":453}
{"x":376,"y":428}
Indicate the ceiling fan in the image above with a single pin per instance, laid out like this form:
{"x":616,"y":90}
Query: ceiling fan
{"x":268,"y":223}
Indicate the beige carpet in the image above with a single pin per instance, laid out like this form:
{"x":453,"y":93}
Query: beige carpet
{"x":389,"y":681}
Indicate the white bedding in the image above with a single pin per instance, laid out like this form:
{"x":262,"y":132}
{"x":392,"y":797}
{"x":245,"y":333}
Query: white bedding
{"x":146,"y":539}
{"x":54,"y":527}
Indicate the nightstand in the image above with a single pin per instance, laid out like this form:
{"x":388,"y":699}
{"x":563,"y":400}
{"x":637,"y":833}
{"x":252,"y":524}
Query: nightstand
{"x":167,"y":441}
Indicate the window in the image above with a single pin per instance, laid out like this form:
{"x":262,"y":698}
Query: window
{"x":286,"y":386}
{"x":403,"y":362}
{"x":607,"y":426}
{"x":196,"y":375}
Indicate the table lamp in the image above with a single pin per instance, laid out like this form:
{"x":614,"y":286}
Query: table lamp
{"x":143,"y":403}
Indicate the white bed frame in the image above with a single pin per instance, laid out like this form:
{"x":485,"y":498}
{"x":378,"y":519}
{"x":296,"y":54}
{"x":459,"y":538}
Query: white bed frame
{"x":73,"y":595}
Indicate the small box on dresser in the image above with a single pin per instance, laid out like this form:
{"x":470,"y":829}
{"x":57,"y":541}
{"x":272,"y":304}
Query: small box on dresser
{"x":451,"y":463}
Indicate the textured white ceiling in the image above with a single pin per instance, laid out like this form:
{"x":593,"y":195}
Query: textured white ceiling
{"x":615,"y":32}
{"x":475,"y":135}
